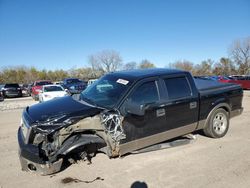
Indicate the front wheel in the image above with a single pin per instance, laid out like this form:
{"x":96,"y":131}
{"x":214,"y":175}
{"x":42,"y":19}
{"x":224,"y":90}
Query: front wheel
{"x":218,"y":124}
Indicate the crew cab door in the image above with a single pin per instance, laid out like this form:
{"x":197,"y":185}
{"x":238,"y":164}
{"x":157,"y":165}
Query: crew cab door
{"x":145,"y":99}
{"x":182,"y":103}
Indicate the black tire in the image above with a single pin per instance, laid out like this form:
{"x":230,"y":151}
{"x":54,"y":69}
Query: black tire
{"x":217,"y":124}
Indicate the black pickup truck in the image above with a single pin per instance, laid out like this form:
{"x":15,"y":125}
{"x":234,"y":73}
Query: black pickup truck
{"x":123,"y":112}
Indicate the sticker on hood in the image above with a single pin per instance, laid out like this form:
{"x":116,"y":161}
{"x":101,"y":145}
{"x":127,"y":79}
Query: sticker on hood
{"x":122,"y":81}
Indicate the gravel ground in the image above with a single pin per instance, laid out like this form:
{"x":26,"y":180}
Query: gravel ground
{"x":16,"y":103}
{"x":205,"y":162}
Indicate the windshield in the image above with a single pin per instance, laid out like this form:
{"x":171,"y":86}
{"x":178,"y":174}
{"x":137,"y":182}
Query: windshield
{"x":72,"y":81}
{"x":52,"y":88}
{"x":11,"y":85}
{"x":107,"y":91}
{"x":43,"y":83}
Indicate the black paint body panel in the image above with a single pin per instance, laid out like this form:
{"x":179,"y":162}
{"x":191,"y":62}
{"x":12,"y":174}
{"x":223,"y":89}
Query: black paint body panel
{"x":64,"y":106}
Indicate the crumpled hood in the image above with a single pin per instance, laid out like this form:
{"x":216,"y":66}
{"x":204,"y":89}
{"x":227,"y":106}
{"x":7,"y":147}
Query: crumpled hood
{"x":61,"y":109}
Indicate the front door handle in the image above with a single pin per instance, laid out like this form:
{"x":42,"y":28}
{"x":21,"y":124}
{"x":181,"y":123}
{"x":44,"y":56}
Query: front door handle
{"x":192,"y":105}
{"x":160,"y":112}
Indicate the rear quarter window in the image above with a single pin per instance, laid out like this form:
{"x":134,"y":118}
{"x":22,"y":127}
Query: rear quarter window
{"x":177,"y":87}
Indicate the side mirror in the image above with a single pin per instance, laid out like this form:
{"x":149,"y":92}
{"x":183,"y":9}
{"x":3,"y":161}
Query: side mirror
{"x":134,"y":108}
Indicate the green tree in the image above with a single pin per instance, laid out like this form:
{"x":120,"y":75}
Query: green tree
{"x":183,"y":65}
{"x":204,"y":68}
{"x":224,"y":67}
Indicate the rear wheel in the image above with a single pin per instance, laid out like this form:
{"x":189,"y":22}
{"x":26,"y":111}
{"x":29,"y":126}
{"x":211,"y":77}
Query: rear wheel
{"x":218,"y":124}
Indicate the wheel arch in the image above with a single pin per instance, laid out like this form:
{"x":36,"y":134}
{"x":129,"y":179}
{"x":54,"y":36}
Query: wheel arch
{"x":224,"y":106}
{"x":203,"y":123}
{"x":80,"y":140}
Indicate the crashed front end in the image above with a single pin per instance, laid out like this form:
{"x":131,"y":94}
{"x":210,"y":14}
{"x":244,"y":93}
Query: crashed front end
{"x":32,"y":156}
{"x":44,"y":145}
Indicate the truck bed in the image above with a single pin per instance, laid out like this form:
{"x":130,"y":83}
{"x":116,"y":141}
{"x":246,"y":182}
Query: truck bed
{"x":207,"y":86}
{"x":211,"y":92}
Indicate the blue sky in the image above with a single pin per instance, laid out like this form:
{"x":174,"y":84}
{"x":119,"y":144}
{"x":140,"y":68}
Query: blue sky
{"x":59,"y":34}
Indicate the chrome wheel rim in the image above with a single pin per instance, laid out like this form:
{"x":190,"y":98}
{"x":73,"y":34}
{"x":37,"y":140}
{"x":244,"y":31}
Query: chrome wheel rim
{"x":219,"y":123}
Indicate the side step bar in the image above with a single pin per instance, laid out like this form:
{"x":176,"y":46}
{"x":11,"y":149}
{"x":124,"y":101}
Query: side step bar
{"x":180,"y":141}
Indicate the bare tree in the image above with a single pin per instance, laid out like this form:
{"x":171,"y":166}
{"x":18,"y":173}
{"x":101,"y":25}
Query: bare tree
{"x":240,"y":52}
{"x":106,"y":61}
{"x":96,"y":70}
{"x":146,"y":64}
{"x":130,"y":65}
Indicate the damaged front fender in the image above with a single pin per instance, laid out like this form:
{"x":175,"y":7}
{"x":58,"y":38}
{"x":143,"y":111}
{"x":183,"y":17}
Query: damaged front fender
{"x":54,"y":141}
{"x":80,"y":141}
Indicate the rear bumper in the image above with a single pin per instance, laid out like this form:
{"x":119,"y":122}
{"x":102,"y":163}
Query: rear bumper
{"x":236,"y":112}
{"x":31,"y":161}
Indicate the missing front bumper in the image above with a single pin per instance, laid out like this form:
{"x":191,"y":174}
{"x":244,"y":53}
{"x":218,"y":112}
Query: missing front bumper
{"x":31,"y":161}
{"x":43,"y":169}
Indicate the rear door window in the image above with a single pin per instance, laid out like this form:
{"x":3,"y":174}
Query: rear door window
{"x":178,"y":87}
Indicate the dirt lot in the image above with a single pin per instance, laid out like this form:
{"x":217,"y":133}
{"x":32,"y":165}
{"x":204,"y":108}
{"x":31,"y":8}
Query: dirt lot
{"x":16,"y":103}
{"x":204,"y":163}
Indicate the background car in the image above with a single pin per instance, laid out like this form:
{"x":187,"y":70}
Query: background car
{"x":25,"y":89}
{"x":74,"y":85}
{"x":37,"y":87}
{"x":11,"y":90}
{"x":1,"y":96}
{"x":243,"y":81}
{"x":224,"y":79}
{"x":49,"y":92}
{"x":29,"y":89}
{"x":91,"y":81}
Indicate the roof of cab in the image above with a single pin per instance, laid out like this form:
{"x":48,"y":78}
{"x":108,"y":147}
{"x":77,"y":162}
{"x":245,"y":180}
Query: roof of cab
{"x":144,"y":73}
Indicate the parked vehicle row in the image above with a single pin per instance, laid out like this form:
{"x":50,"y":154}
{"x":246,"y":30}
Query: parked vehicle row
{"x":243,"y":81}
